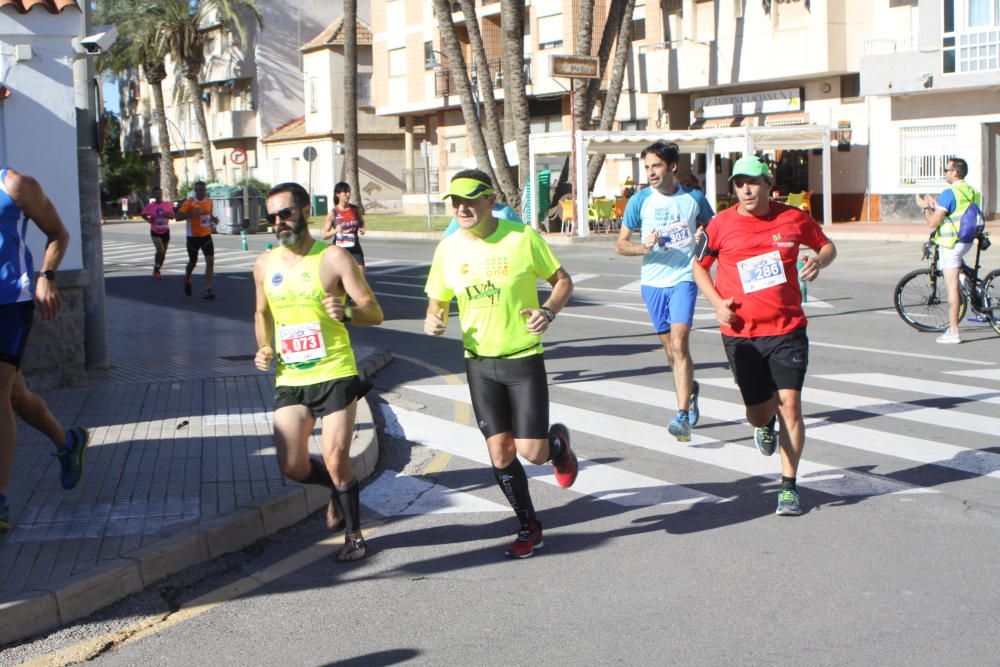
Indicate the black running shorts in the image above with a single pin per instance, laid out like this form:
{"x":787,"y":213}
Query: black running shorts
{"x":15,"y":325}
{"x":165,"y":236}
{"x":322,"y":398}
{"x":509,"y":395}
{"x":196,"y":243}
{"x":765,"y":364}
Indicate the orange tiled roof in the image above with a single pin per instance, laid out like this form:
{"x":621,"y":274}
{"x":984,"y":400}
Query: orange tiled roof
{"x":51,"y":6}
{"x":334,"y":34}
{"x":293,"y":128}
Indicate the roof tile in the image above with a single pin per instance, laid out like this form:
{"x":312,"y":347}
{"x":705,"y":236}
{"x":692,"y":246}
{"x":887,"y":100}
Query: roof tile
{"x":333,"y":34}
{"x":51,"y":6}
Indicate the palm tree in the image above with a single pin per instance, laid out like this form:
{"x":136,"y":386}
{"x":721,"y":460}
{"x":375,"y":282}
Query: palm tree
{"x":484,"y":80}
{"x":460,"y":77}
{"x":137,"y":48}
{"x":350,"y":28}
{"x":180,"y":32}
{"x":516,"y":113}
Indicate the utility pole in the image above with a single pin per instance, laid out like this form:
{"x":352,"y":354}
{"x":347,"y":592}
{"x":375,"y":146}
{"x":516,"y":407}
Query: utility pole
{"x":88,"y":175}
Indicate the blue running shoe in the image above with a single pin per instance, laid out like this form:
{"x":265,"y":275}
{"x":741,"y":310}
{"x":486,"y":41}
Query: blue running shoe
{"x":788,"y":503}
{"x":680,"y":427}
{"x":693,"y":413}
{"x":766,"y":439}
{"x":71,"y":457}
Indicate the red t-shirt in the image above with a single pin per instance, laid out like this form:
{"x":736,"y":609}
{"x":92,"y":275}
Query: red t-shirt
{"x":349,"y":221}
{"x":757,"y":267}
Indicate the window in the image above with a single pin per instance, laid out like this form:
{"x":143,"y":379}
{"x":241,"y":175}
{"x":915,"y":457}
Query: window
{"x":365,"y":91}
{"x":550,"y":31}
{"x":639,"y":23}
{"x":312,"y":94}
{"x":970,"y":40}
{"x":397,"y":62}
{"x":850,"y":86}
{"x":923,"y":151}
{"x":429,"y":60}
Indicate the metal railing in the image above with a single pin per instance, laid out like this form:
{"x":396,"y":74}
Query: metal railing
{"x":880,"y":46}
{"x":414,"y":181}
{"x":444,"y":84}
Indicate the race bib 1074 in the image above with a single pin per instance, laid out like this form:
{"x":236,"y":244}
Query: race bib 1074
{"x":761,"y":272}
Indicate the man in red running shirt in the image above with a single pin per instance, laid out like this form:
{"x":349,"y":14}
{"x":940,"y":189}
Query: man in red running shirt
{"x":758,"y":303}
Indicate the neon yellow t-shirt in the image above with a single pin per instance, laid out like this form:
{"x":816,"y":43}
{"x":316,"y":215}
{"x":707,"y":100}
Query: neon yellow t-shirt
{"x":309,"y":345}
{"x":493,"y":279}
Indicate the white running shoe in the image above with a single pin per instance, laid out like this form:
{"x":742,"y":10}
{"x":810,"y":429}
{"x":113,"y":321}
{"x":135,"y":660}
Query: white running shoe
{"x":949,"y":338}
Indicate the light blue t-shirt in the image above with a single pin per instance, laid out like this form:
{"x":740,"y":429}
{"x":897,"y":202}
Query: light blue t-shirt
{"x":674,"y":218}
{"x":501,"y":211}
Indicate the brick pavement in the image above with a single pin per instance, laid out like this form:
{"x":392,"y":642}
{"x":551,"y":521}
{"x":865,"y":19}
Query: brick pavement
{"x":180,"y":468}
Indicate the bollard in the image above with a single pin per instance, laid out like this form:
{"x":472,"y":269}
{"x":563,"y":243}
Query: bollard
{"x":243,"y":239}
{"x":802,"y":283}
{"x":268,"y":246}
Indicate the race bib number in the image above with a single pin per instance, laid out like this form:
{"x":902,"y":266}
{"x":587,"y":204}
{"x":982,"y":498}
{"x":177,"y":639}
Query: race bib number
{"x":206,"y":222}
{"x":675,"y":235}
{"x":761,"y":272}
{"x":301,"y":342}
{"x":346,"y":240}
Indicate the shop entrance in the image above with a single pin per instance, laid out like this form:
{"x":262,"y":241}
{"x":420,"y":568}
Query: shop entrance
{"x":791,"y":171}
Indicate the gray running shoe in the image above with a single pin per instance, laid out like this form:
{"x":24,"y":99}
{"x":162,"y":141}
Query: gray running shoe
{"x":766,"y":439}
{"x":788,"y":503}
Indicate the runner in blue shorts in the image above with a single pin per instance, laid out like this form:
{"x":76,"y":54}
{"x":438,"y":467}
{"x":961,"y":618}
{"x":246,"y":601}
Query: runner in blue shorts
{"x":22,"y":200}
{"x":667,"y":216}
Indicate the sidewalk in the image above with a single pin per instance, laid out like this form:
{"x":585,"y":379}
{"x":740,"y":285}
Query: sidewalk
{"x":180,"y":469}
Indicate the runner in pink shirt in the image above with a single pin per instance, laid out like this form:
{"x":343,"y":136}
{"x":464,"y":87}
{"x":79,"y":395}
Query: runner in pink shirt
{"x":158,"y":214}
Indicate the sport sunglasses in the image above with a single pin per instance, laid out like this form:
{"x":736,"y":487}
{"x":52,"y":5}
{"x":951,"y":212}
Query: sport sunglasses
{"x":284,"y":214}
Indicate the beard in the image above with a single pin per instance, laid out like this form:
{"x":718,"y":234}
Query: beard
{"x":291,"y":237}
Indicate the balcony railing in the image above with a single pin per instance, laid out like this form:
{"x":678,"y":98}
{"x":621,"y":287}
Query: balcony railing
{"x":414,"y":181}
{"x":444,"y":84}
{"x":880,"y":46}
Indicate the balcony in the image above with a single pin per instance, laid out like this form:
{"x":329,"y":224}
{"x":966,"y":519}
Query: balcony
{"x":444,"y":85}
{"x":673,"y":66}
{"x":234,"y":125}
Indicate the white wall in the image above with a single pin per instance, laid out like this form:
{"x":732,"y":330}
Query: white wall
{"x":38,"y":120}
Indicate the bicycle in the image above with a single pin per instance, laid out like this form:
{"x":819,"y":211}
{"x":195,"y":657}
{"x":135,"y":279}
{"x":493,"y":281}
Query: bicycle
{"x":921,"y":298}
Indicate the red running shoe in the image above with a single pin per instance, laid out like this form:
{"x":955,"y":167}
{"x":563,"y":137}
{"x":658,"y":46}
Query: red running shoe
{"x":528,"y":539}
{"x":156,"y":274}
{"x":565,"y":467}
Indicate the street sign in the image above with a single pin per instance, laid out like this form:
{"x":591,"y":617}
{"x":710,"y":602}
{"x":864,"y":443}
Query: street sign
{"x":238,"y":156}
{"x":574,"y":67}
{"x":309,"y":154}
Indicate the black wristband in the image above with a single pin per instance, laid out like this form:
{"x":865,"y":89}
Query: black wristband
{"x":549,"y":313}
{"x":48,"y":275}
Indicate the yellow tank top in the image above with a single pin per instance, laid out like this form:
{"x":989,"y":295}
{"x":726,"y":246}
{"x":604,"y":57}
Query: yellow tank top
{"x":310,"y":346}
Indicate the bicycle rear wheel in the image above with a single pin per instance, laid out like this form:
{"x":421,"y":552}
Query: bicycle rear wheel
{"x":991,"y":298}
{"x":921,"y":299}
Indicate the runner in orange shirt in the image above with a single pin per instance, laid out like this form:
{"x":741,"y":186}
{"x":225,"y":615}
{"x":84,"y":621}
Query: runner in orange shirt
{"x":198,"y":213}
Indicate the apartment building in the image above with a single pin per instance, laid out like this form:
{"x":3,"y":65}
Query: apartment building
{"x":412,"y":83}
{"x":249,"y":90}
{"x":932,"y":72}
{"x":319,"y":133}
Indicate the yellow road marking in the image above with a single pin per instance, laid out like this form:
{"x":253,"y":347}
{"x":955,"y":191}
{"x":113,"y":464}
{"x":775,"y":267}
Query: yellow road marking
{"x":155,"y":623}
{"x":461,"y":409}
{"x":437,"y":464}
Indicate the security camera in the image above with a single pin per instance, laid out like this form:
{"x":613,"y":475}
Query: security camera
{"x":98,"y":42}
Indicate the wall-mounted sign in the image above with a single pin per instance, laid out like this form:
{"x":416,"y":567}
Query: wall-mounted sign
{"x":749,"y":104}
{"x":574,"y":67}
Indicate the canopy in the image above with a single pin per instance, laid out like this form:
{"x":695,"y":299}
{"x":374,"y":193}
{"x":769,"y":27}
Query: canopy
{"x":708,"y":141}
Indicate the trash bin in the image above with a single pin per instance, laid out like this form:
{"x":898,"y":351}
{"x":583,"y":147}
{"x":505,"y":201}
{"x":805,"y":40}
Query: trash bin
{"x":227,"y":204}
{"x":320,"y":205}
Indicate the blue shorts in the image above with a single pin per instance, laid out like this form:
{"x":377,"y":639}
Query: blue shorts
{"x":15,"y":323}
{"x":670,"y":305}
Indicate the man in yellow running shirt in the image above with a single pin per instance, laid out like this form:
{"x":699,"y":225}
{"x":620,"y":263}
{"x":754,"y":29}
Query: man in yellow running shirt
{"x":301,"y":322}
{"x":492,"y":266}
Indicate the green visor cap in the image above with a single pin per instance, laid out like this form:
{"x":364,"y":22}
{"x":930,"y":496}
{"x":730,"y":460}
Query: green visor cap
{"x":468,"y":188}
{"x":750,"y":165}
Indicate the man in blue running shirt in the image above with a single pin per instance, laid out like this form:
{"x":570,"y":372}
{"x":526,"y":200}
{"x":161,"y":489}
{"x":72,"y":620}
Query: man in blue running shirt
{"x":667,"y":216}
{"x":22,"y":199}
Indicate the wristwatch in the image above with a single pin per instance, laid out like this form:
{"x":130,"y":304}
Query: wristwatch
{"x":549,"y":313}
{"x":48,"y":275}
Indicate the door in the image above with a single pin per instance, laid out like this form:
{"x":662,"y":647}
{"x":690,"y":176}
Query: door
{"x":991,"y":175}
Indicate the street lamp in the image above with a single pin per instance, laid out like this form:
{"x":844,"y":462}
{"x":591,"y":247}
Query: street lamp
{"x":434,"y":63}
{"x":183,"y":142}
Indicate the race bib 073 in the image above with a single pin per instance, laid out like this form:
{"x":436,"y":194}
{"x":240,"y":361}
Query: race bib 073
{"x":301,"y":342}
{"x":761,"y":272}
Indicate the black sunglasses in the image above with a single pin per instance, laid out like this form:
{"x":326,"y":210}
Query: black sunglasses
{"x":284,"y":214}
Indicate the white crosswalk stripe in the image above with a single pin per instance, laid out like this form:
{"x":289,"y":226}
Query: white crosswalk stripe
{"x":745,"y":460}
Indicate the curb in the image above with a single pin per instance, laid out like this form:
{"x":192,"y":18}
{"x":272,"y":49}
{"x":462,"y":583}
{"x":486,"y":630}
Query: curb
{"x":80,"y":596}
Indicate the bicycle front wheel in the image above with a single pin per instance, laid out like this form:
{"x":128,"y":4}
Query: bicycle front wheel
{"x":921,"y":299}
{"x":991,"y":298}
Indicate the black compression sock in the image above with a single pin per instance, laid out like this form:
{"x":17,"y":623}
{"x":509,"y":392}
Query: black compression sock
{"x":318,"y":474}
{"x":349,"y":499}
{"x":514,"y":483}
{"x":787,"y":483}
